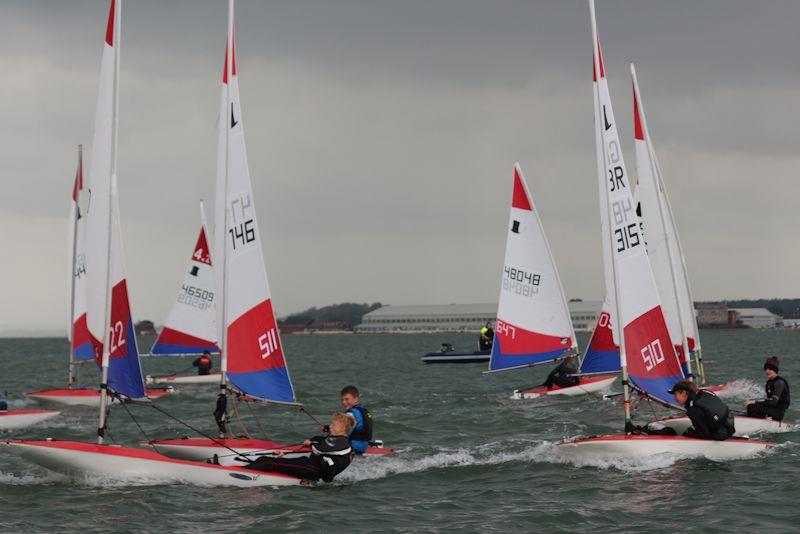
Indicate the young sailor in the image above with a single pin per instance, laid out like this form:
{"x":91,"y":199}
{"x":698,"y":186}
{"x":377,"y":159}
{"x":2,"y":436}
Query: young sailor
{"x":777,"y":401}
{"x":487,"y":337}
{"x":711,"y":418}
{"x":330,"y":455}
{"x":203,"y":364}
{"x":362,"y":428}
{"x":561,"y":376}
{"x":3,"y":403}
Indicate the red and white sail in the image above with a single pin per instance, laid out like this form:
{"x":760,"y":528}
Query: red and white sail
{"x":108,"y":307}
{"x":646,"y":347}
{"x":191,"y":326}
{"x":663,"y":243}
{"x":77,"y":331}
{"x":533,"y":321}
{"x":252,"y":354}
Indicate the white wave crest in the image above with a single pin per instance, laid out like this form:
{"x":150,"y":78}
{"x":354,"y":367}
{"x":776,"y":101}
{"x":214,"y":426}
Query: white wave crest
{"x":401,"y":463}
{"x":12,"y":479}
{"x":741,"y":389}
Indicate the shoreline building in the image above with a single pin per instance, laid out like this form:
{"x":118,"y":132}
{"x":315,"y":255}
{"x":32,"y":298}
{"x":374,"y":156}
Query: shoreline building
{"x":456,"y":318}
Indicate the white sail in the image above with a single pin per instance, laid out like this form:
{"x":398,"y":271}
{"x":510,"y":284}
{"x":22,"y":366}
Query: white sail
{"x":647,"y":354}
{"x":191,"y":325}
{"x":252,"y":353}
{"x":108,"y":307}
{"x":77,"y":332}
{"x":533,"y":321}
{"x":102,"y":165}
{"x":663,"y":243}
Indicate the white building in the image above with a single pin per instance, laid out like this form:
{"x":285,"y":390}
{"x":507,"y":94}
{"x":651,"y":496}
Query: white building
{"x":456,"y":318}
{"x":758,"y":317}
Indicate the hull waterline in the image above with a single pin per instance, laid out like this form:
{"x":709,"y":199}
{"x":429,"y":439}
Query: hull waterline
{"x":212,"y":378}
{"x":12,"y":419}
{"x":82,"y":397}
{"x":77,"y":459}
{"x":644,"y":446}
{"x":588,"y":385}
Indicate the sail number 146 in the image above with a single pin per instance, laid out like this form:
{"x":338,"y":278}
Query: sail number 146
{"x":242,"y":233}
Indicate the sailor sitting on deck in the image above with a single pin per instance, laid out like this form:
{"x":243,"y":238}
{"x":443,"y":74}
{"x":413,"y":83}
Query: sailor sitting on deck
{"x":777,"y":401}
{"x":711,"y":418}
{"x":330,"y":455}
{"x":203,"y":364}
{"x":487,"y":337}
{"x":561,"y":376}
{"x":362,"y":419}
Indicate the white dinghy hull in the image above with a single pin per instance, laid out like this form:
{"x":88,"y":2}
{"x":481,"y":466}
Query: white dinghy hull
{"x":644,"y":446}
{"x":119,"y":463}
{"x":211,"y":378}
{"x":588,"y":385}
{"x":83,"y":397}
{"x":12,"y":419}
{"x":745,"y":426}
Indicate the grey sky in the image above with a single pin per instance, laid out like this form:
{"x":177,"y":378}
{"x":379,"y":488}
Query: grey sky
{"x":381,"y":138}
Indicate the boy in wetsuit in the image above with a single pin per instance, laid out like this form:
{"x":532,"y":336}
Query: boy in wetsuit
{"x":361,"y":434}
{"x":330,"y":455}
{"x":777,"y":401}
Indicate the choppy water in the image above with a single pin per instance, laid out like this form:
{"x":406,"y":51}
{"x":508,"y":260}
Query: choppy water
{"x":468,"y":458}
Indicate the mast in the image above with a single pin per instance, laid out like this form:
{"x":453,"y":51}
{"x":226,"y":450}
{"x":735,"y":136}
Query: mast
{"x":659,"y":191}
{"x":616,"y":323}
{"x":116,"y":29}
{"x":77,"y":195}
{"x":229,"y":53}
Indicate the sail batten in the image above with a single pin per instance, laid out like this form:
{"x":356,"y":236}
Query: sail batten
{"x":533,"y":323}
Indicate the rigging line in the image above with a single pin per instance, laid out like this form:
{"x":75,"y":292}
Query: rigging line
{"x":136,"y":422}
{"x":258,"y":422}
{"x":193,"y":429}
{"x":302,"y":409}
{"x":238,"y":418}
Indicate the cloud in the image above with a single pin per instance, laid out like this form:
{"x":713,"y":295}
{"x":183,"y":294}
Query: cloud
{"x":381,"y":138}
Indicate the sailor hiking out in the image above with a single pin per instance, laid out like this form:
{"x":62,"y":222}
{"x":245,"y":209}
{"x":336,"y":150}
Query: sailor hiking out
{"x":777,"y":401}
{"x":330,"y":455}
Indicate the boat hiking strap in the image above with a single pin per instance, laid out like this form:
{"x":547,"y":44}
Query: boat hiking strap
{"x":190,"y":427}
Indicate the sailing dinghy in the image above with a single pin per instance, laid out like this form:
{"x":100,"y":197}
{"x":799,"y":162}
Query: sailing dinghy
{"x":191,"y":326}
{"x":533,"y":323}
{"x":253,"y":361}
{"x":648,"y":359}
{"x":80,"y":350}
{"x":111,"y":326}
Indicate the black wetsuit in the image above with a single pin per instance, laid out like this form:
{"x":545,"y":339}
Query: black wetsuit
{"x":330,"y":455}
{"x":711,"y":418}
{"x":3,"y":405}
{"x":560,"y":376}
{"x":776,"y":403}
{"x":203,"y":364}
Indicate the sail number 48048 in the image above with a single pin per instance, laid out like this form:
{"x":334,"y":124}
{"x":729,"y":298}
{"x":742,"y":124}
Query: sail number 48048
{"x":652,"y":354}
